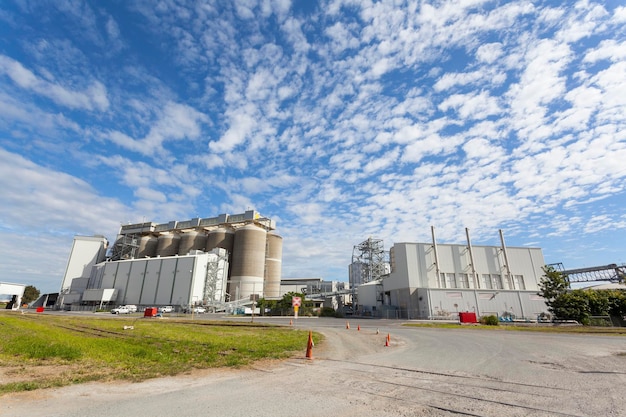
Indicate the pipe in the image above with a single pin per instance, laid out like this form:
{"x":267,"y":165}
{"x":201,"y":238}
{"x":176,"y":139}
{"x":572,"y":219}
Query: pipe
{"x":432,"y":231}
{"x":471,"y":254}
{"x":506,"y":259}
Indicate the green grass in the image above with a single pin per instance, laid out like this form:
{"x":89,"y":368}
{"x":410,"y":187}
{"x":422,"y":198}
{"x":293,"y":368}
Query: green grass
{"x":618,"y":331}
{"x":40,"y":351}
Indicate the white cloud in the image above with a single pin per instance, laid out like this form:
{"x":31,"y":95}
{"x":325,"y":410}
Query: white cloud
{"x":94,"y":97}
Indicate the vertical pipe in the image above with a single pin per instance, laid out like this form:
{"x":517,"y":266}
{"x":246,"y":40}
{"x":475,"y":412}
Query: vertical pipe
{"x":506,"y":258}
{"x":432,"y":231}
{"x":471,"y":254}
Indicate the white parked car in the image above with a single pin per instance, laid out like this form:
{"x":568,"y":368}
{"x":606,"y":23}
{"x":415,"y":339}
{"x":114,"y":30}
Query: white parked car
{"x":199,"y":310}
{"x":121,"y":310}
{"x":166,"y":309}
{"x":131,"y":307}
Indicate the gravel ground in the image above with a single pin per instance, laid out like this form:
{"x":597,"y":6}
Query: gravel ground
{"x":424,"y":372}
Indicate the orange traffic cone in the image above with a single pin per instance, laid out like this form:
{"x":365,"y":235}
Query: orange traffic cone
{"x":388,"y":340}
{"x":358,"y":328}
{"x":348,"y":325}
{"x":309,"y":346}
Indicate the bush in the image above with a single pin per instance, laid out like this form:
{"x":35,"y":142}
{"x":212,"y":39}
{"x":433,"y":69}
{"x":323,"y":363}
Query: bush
{"x":489,"y":320}
{"x":328,"y":312}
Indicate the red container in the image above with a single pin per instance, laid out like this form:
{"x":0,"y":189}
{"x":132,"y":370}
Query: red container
{"x":467,"y":317}
{"x":39,"y":309}
{"x":150,"y":312}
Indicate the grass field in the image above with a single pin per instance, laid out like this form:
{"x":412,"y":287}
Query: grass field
{"x":41,"y":351}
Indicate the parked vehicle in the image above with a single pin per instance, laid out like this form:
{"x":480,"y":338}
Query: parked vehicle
{"x":121,"y":310}
{"x":131,"y":307}
{"x":166,"y":309}
{"x":195,"y":310}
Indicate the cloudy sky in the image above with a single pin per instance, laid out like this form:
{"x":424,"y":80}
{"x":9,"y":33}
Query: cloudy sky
{"x":341,"y":120}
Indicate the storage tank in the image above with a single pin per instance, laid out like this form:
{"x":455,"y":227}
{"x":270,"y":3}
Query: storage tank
{"x":148,"y":246}
{"x":192,"y":240}
{"x":220,"y":238}
{"x":248,"y":262}
{"x":273,"y":265}
{"x":168,"y":244}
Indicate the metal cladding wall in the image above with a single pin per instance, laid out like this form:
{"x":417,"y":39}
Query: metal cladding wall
{"x":248,"y":264}
{"x":132,"y":293}
{"x":121,"y":278}
{"x":86,"y":252}
{"x":148,"y":246}
{"x":183,"y":281}
{"x":150,"y":282}
{"x":166,"y":281}
{"x":168,"y":244}
{"x":273,"y":265}
{"x":220,"y":238}
{"x":192,"y":240}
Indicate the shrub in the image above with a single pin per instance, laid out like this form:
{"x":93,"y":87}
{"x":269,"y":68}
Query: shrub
{"x":327,"y":312}
{"x":489,"y":320}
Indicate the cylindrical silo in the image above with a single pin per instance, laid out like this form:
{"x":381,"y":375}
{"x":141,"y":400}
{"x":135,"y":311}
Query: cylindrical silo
{"x":192,"y":240}
{"x":168,"y":244}
{"x":148,"y":246}
{"x":273,"y":265}
{"x":248,"y":262}
{"x":220,"y":238}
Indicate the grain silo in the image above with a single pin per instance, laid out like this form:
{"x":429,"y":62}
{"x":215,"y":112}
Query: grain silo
{"x":192,"y":240}
{"x":220,"y":238}
{"x":148,"y":246}
{"x":273,"y":265}
{"x":248,"y":262}
{"x":168,"y":244}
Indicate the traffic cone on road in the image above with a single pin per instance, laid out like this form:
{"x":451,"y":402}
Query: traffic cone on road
{"x":309,"y":346}
{"x":358,"y":328}
{"x":388,"y":340}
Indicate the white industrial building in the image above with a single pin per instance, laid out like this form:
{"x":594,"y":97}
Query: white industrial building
{"x":333,"y":294}
{"x":202,"y":261}
{"x":13,"y":294}
{"x":438,"y":281}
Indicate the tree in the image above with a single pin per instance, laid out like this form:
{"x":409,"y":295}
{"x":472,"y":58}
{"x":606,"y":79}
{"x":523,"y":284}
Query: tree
{"x":30,"y":294}
{"x":572,"y":305}
{"x":552,"y":285}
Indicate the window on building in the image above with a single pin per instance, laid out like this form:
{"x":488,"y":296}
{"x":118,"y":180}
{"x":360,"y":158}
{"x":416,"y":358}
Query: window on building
{"x":486,"y":281}
{"x":473,"y":280}
{"x":463,"y":280}
{"x":508,"y":279}
{"x":441,"y":280}
{"x":496,"y":281}
{"x":450,"y":281}
{"x":518,"y":280}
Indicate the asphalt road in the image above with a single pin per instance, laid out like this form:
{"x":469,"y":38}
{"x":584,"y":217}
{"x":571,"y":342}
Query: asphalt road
{"x":423,"y":372}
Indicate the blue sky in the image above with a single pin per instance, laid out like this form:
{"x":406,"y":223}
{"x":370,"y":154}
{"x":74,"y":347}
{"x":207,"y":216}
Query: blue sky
{"x":340,"y":120}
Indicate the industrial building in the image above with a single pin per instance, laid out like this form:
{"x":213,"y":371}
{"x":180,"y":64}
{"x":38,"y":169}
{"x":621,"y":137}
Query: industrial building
{"x":13,"y":293}
{"x":439,"y":281}
{"x":202,"y":261}
{"x":332,"y":294}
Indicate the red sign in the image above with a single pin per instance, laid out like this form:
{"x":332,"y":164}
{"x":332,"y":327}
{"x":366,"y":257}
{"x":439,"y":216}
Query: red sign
{"x":296,"y":301}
